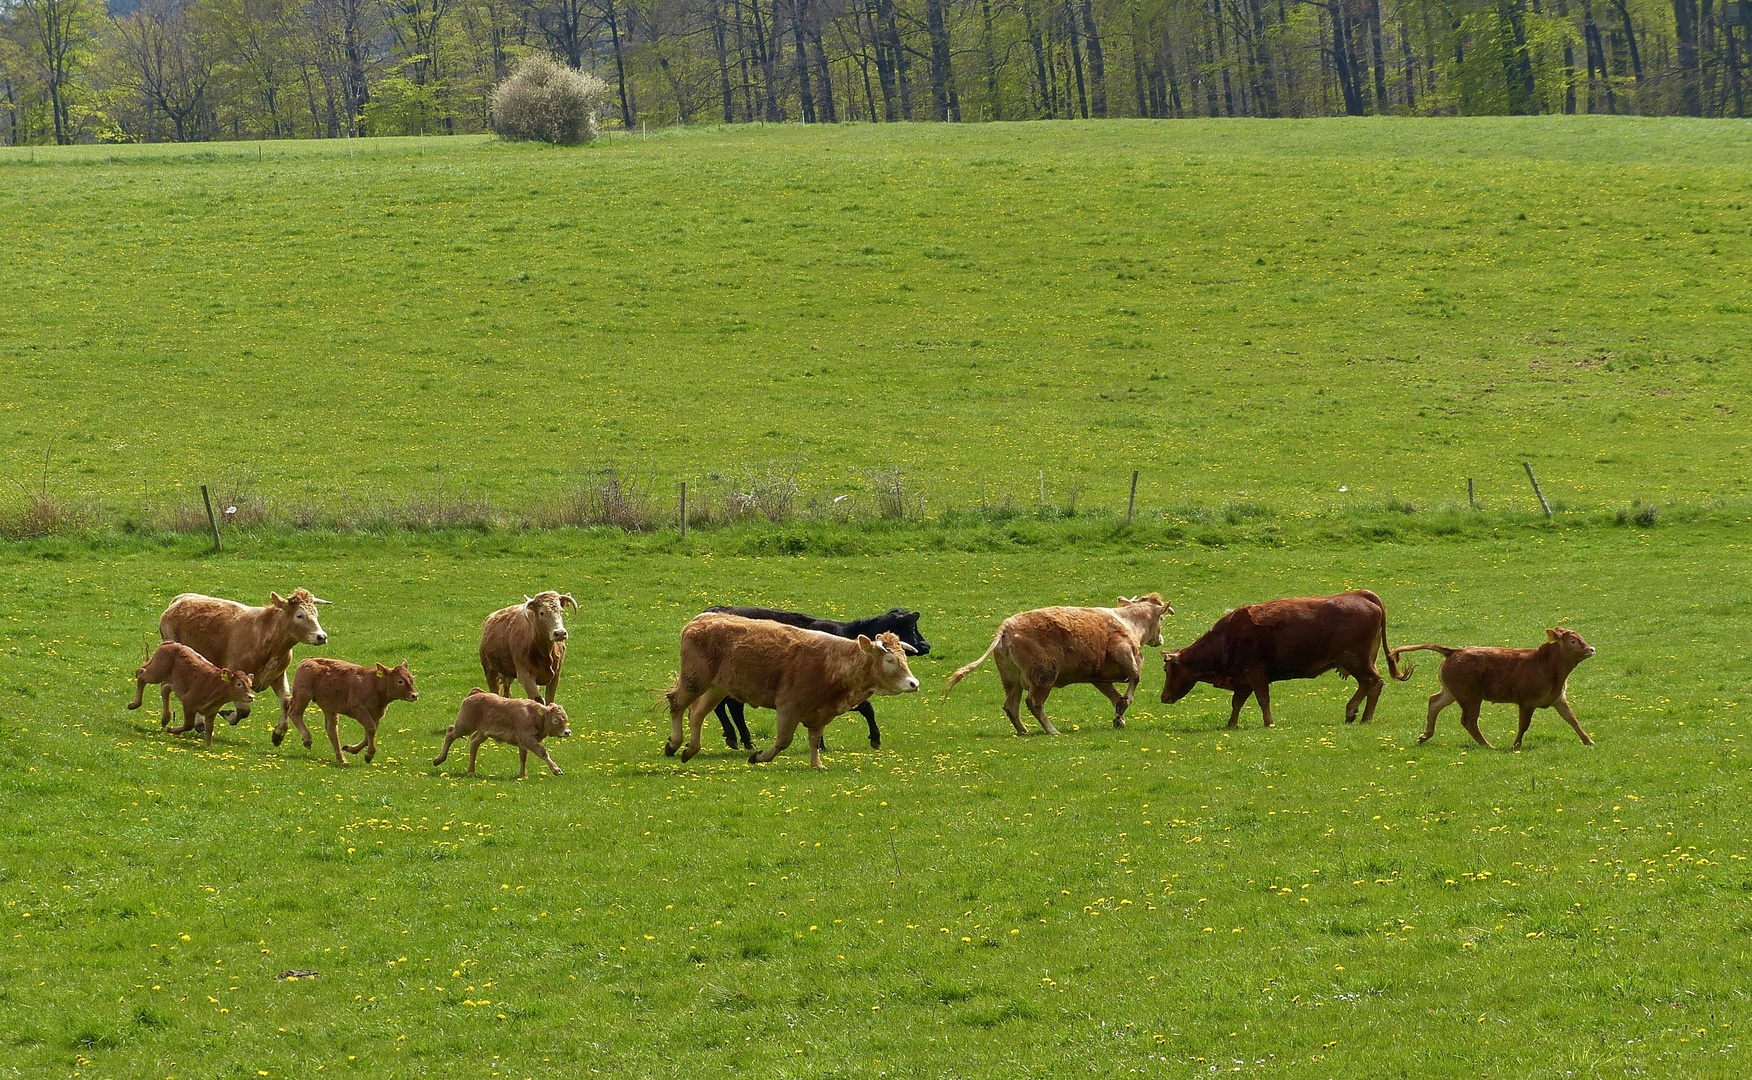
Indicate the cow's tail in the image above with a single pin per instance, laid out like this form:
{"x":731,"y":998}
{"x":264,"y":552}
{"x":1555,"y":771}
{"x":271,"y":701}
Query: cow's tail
{"x":964,"y":672}
{"x":1393,"y":654}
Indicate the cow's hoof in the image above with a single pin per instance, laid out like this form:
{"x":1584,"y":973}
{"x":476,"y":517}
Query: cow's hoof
{"x":688,"y":754}
{"x":307,"y":744}
{"x":559,"y":771}
{"x":1119,"y":721}
{"x":133,"y":706}
{"x":730,"y":741}
{"x":279,"y":737}
{"x":875,"y":744}
{"x":669,"y":751}
{"x":1421,"y":739}
{"x":754,"y":759}
{"x":369,"y":754}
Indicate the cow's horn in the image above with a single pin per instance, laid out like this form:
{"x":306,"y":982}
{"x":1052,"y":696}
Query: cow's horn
{"x":910,"y":651}
{"x":566,"y":598}
{"x":320,"y":600}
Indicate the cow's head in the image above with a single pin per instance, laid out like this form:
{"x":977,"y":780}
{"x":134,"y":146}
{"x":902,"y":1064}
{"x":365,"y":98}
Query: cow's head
{"x":300,"y":612}
{"x":1148,"y":609}
{"x":239,"y":690}
{"x":543,"y":611}
{"x":906,"y":627}
{"x":1180,"y":679}
{"x":1570,"y":645}
{"x":554,"y":724}
{"x":886,"y":656}
{"x":400,"y":680}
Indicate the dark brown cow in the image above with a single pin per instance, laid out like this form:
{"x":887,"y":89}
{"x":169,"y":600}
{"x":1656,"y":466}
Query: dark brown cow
{"x":808,"y":676}
{"x":202,"y":688}
{"x":343,"y":689}
{"x":1252,"y":647}
{"x":258,"y":640}
{"x":526,"y":643}
{"x":1046,"y":648}
{"x":522,"y":722}
{"x":1528,"y":678}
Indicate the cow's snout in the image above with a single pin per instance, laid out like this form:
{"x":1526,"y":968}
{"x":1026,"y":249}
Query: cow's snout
{"x":413,"y":695}
{"x":322,"y":637}
{"x":911,"y":684}
{"x":560,"y":634}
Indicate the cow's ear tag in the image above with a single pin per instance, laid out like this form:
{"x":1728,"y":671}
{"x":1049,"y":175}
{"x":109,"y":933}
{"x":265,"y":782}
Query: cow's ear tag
{"x":382,"y":672}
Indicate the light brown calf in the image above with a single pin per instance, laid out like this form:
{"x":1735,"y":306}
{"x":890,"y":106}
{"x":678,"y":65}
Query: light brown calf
{"x":1529,"y":678}
{"x":343,"y":689}
{"x":257,"y":640}
{"x":522,"y":722}
{"x":526,"y":643}
{"x":1040,"y":650}
{"x":202,"y":688}
{"x":808,"y":676}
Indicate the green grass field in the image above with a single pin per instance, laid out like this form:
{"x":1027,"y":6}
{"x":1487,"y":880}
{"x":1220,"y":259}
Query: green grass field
{"x":1253,"y":315}
{"x":1242,"y":311}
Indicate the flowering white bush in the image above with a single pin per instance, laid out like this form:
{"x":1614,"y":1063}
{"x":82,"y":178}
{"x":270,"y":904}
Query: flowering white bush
{"x":544,"y":99}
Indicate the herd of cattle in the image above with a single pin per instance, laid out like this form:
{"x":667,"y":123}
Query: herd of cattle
{"x":218,"y":653}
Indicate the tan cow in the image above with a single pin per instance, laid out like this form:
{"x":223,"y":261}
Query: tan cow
{"x":808,"y":676}
{"x":343,"y":689}
{"x":1041,"y":650}
{"x":1529,"y":678}
{"x":522,"y":722}
{"x":527,"y":643}
{"x":202,"y":688}
{"x":257,"y":640}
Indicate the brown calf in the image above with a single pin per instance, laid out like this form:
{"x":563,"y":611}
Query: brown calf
{"x":1254,"y":646}
{"x":526,"y":643}
{"x":202,"y":688}
{"x":808,"y":676}
{"x":522,"y":722}
{"x":1058,"y":646}
{"x":257,"y":640}
{"x":343,"y":689}
{"x":1529,"y":678}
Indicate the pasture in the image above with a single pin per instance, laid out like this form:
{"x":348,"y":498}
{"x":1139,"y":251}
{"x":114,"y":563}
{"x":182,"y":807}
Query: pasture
{"x":1252,"y":313}
{"x":1315,"y":899}
{"x":1305,"y":336}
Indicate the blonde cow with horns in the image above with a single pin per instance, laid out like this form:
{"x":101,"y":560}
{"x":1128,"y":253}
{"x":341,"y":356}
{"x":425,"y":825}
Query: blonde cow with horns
{"x":1040,"y":650}
{"x":526,"y":643}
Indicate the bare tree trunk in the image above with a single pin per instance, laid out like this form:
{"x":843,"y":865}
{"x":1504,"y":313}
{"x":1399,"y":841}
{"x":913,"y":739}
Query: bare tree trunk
{"x":994,"y":101}
{"x":1077,"y":60}
{"x":720,"y":46}
{"x":1685,"y":29}
{"x":824,"y":106}
{"x":805,"y":97}
{"x":942,"y":74}
{"x":1373,"y":15}
{"x":1097,"y":66}
{"x":1040,"y":77}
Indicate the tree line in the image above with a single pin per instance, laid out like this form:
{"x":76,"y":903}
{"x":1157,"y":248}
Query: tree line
{"x":148,"y":70}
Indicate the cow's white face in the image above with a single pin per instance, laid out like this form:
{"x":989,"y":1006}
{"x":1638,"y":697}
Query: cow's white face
{"x":888,"y":658}
{"x":1154,"y":607}
{"x":544,"y":614}
{"x":554,"y":723}
{"x":300,"y":609}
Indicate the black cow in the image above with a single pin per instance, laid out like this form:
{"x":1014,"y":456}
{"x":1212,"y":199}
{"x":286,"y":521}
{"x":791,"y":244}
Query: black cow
{"x":903,"y":623}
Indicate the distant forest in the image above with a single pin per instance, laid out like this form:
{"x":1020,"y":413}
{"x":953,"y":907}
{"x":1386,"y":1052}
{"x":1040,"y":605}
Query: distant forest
{"x":185,"y":70}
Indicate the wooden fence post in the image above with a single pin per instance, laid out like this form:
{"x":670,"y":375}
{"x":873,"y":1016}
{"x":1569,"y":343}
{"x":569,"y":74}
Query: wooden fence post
{"x":1528,"y":465}
{"x":1132,"y":502}
{"x":1470,"y":500}
{"x":211,"y":520}
{"x":684,"y":509}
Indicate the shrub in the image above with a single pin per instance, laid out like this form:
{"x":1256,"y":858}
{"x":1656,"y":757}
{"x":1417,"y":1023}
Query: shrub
{"x":543,"y":99}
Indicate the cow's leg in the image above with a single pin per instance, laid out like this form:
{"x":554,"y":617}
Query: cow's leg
{"x":532,"y":745}
{"x":1438,"y":702}
{"x":723,"y":712}
{"x":331,"y":723}
{"x":444,"y":751}
{"x":783,"y":730}
{"x":1469,"y":720}
{"x":367,"y":742}
{"x":868,"y":711}
{"x":1011,"y":676}
{"x":680,"y":697}
{"x":531,"y":688}
{"x":211,"y":721}
{"x":1563,"y":710}
{"x":474,"y":747}
{"x":739,"y":716}
{"x":1526,"y":722}
{"x":1375,"y":685}
{"x":191,"y":721}
{"x":1235,"y":704}
{"x":139,"y":693}
{"x":164,"y":718}
{"x":702,"y":706}
{"x":1262,"y":691}
{"x":553,"y":688}
{"x":283,"y":691}
{"x":522,"y":760}
{"x":1119,"y":702}
{"x":1037,"y":695}
{"x":816,"y":745}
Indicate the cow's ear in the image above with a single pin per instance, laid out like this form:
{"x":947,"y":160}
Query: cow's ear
{"x":382,"y":672}
{"x":866,"y":644}
{"x":276,"y":599}
{"x":404,"y":664}
{"x":1554,"y":633}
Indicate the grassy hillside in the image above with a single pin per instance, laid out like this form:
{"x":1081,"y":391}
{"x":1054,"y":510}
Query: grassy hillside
{"x":1313,"y":899}
{"x":1246,"y":312}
